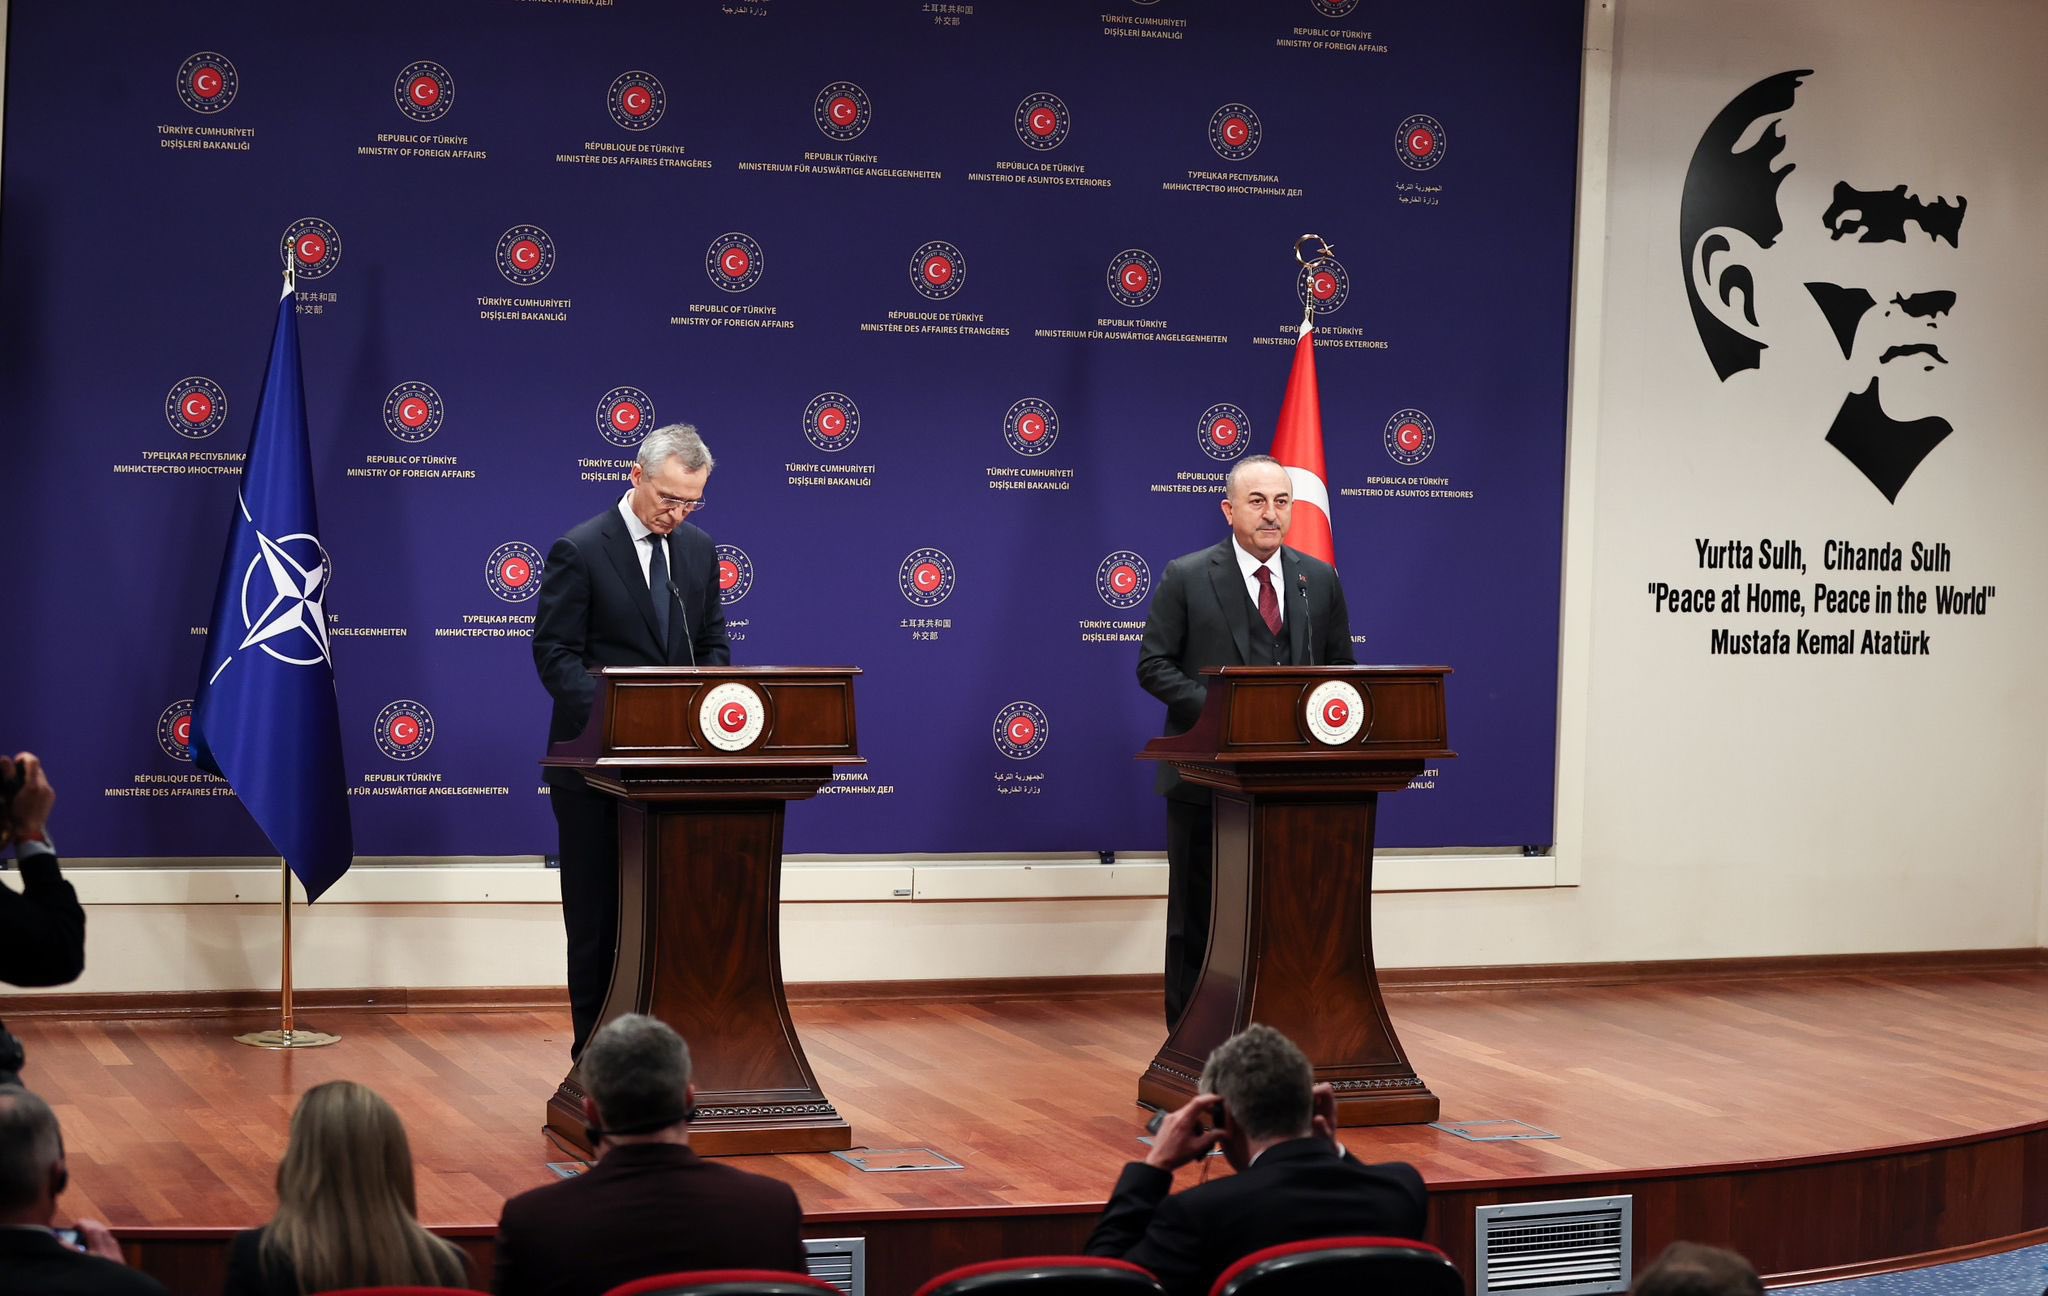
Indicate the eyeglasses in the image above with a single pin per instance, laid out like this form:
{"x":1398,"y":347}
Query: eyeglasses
{"x":670,"y":504}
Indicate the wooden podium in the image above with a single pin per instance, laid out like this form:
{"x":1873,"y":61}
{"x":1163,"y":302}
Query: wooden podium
{"x":1297,"y":757}
{"x":704,"y":762}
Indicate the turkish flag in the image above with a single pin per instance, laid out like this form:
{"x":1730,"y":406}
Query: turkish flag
{"x":1298,"y":445}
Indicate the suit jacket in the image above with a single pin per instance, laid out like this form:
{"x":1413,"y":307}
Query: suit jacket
{"x":1201,"y":616}
{"x":34,"y":1261}
{"x":596,"y":610}
{"x":645,"y":1209}
{"x":1296,"y":1191}
{"x":42,"y":927}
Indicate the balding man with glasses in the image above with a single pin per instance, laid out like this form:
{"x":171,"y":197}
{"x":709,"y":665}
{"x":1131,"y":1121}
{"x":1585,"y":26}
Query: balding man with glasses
{"x":637,"y":585}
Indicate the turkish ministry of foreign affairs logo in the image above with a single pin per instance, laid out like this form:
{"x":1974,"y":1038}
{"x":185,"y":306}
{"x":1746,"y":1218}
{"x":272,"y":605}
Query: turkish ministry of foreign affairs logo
{"x":926,"y":577}
{"x":314,"y":247}
{"x":624,"y":415}
{"x":1335,"y":711}
{"x":636,"y":101}
{"x":1042,"y":121}
{"x":1031,"y":426}
{"x":1323,"y":283}
{"x":1225,"y":432}
{"x":1234,"y":132}
{"x":938,"y":270}
{"x":526,"y":255}
{"x":1134,"y":277}
{"x":196,"y":408}
{"x":735,"y":262}
{"x":1334,"y":8}
{"x":404,"y":730}
{"x":513,"y":571}
{"x":1021,"y":731}
{"x":1409,"y":437}
{"x":207,"y":82}
{"x":842,"y":110}
{"x":174,"y":730}
{"x":424,"y":92}
{"x":1420,"y":143}
{"x":732,"y":716}
{"x":735,"y":574}
{"x":831,"y":421}
{"x":1123,"y":580}
{"x":413,"y":412}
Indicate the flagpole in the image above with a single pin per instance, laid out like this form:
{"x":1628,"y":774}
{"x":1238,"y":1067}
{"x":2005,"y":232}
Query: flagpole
{"x":286,"y":1037}
{"x":1308,"y":300}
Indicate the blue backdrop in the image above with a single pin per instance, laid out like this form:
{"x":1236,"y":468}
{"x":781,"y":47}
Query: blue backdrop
{"x":881,"y":255}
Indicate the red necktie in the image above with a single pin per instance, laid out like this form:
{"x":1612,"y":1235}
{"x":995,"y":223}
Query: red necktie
{"x":1269,"y":602}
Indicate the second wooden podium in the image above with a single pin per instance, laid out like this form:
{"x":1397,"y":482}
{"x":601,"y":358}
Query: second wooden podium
{"x":704,"y":762}
{"x":1297,"y":757}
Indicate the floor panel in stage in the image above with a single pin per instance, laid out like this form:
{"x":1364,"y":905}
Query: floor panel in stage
{"x":170,"y":1123}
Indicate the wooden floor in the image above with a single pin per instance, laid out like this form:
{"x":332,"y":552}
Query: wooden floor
{"x":171,"y":1125}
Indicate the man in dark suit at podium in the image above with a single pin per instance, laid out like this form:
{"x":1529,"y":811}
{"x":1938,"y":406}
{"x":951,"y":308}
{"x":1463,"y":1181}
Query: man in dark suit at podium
{"x":1249,"y":601}
{"x":637,"y":585}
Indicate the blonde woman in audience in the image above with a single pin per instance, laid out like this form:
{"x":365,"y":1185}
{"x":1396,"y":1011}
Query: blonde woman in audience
{"x":345,"y":1214}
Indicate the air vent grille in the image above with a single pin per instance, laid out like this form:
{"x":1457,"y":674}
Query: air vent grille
{"x":843,"y":1262}
{"x":1561,"y":1248}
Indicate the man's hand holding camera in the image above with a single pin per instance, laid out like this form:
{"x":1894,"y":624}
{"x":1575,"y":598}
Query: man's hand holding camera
{"x":1188,"y":1133}
{"x":26,"y":799}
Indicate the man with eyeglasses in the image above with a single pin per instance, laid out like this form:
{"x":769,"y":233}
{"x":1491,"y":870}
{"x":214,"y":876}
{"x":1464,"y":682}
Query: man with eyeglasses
{"x":637,"y":585}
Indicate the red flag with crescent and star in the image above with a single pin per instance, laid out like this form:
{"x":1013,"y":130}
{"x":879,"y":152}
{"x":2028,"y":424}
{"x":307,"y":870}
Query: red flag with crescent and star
{"x":1298,"y":445}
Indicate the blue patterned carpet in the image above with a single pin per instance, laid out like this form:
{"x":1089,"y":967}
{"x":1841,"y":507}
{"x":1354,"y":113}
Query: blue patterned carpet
{"x":2016,"y":1273}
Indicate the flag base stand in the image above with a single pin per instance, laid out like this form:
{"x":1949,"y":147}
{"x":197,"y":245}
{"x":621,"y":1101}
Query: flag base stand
{"x":287,"y":1035}
{"x":288,"y":1039}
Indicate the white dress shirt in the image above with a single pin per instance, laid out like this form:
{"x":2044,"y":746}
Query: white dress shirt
{"x":640,"y":532}
{"x":1250,"y":567}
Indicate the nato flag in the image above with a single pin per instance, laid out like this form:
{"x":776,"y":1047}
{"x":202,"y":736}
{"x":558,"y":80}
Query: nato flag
{"x":264,"y":717}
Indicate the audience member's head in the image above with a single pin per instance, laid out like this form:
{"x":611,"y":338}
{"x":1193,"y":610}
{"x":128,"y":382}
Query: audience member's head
{"x":345,"y":1210}
{"x":31,"y":1158}
{"x":636,"y":1081}
{"x":1693,"y":1269}
{"x":1266,"y":1085}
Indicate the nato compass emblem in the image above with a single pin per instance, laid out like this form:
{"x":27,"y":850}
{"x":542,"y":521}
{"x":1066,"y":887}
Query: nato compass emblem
{"x":1234,"y":132}
{"x":526,"y":255}
{"x":174,"y":730}
{"x":513,"y":571}
{"x":1031,"y":426}
{"x":207,"y":82}
{"x":1420,"y":142}
{"x":1134,"y":277}
{"x":843,"y":110}
{"x":831,"y":421}
{"x":284,"y":598}
{"x":636,"y":101}
{"x":413,"y":412}
{"x":735,"y":574}
{"x":196,"y":408}
{"x":1020,"y":731}
{"x":1334,"y":8}
{"x":1043,"y":121}
{"x":1123,"y":580}
{"x":623,"y":414}
{"x":926,"y":577}
{"x":938,"y":270}
{"x":404,"y":730}
{"x":1410,"y":437}
{"x":314,"y":247}
{"x":734,"y":262}
{"x":1225,"y":431}
{"x":1323,"y":283}
{"x":425,"y":92}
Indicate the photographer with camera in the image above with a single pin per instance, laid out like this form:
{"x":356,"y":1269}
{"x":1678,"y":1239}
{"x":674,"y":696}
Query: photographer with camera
{"x":1295,"y":1182}
{"x":42,"y":927}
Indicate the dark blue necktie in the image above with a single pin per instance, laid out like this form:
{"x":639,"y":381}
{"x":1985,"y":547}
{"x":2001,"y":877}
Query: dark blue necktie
{"x":657,"y":585}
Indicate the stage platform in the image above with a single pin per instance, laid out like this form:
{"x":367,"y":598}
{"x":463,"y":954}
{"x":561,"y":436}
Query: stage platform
{"x":1813,"y":1113}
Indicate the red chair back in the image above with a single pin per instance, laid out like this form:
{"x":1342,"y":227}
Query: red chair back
{"x":1064,"y":1275}
{"x":725,"y":1282}
{"x":1382,"y":1266}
